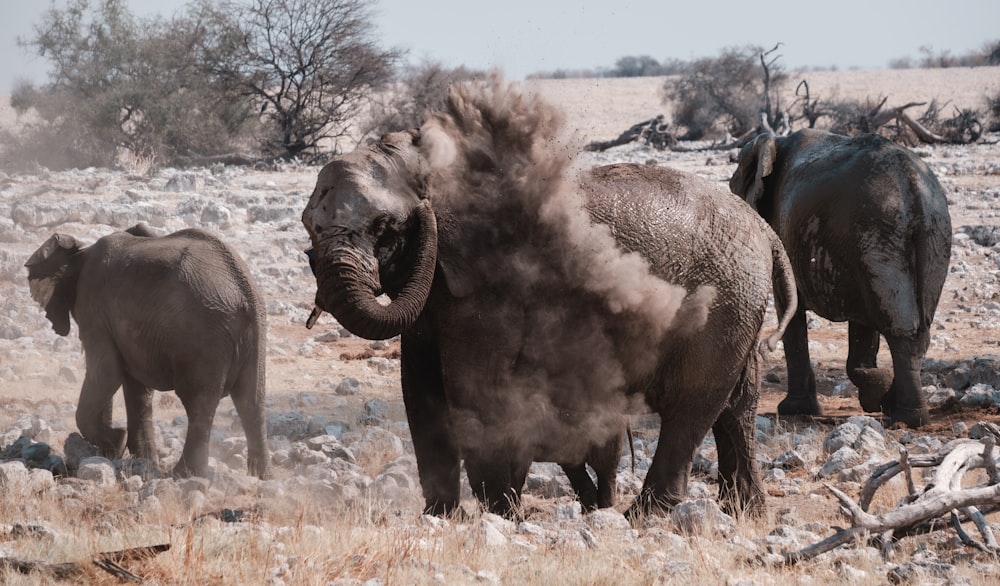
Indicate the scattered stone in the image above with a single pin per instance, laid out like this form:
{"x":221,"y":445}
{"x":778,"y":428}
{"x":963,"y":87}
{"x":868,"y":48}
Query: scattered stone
{"x":98,"y":470}
{"x":348,"y":386}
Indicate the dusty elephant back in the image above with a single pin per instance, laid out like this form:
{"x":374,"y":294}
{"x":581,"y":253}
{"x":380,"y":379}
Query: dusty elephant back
{"x":704,"y":233}
{"x":694,"y":233}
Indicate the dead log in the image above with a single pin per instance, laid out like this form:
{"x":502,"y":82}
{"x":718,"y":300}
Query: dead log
{"x":943,"y":495}
{"x":653,"y":132}
{"x":109,"y":561}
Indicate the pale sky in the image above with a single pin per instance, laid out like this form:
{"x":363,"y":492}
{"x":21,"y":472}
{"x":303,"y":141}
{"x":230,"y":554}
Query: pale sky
{"x":527,"y":36}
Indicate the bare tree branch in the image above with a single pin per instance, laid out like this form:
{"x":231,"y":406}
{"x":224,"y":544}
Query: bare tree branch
{"x":943,"y":495}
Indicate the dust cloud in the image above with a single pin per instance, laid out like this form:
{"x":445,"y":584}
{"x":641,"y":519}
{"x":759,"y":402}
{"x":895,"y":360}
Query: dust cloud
{"x":571,"y":319}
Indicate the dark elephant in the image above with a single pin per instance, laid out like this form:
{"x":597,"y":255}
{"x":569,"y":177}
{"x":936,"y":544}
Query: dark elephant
{"x":522,"y":293}
{"x":866,"y":226}
{"x":177,"y":312}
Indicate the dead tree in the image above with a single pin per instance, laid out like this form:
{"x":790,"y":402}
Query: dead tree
{"x":653,"y":132}
{"x":812,"y":111}
{"x":964,"y":128}
{"x":943,"y":495}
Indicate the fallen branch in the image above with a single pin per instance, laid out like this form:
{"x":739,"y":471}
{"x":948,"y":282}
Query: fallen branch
{"x":653,"y":132}
{"x":944,"y":495}
{"x":107,"y":561}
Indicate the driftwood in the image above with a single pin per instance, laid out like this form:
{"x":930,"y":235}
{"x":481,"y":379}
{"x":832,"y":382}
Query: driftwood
{"x":944,"y":495}
{"x":109,"y":561}
{"x":653,"y":132}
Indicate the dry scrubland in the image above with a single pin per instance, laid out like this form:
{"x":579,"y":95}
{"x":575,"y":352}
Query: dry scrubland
{"x":343,"y":506}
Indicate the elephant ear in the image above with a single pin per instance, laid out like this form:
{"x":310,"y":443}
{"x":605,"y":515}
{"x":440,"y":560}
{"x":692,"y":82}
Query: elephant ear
{"x":755,"y":163}
{"x":52,"y":276}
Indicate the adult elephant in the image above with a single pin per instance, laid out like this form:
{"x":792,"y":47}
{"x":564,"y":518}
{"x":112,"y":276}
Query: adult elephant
{"x":523,"y":291}
{"x":177,"y":312}
{"x":867,"y":228}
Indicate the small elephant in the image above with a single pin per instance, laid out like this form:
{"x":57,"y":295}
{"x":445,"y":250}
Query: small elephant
{"x":178,"y":312}
{"x":522,"y":290}
{"x":866,"y":226}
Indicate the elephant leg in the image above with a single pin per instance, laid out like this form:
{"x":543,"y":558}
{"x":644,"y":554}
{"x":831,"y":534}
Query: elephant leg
{"x":905,"y":401}
{"x":739,"y":484}
{"x":94,"y":409}
{"x":438,"y":459}
{"x":584,"y":487}
{"x":492,"y":482}
{"x":667,"y":479}
{"x":200,"y":393}
{"x":872,"y":382}
{"x":248,"y":398}
{"x":604,"y":460}
{"x":139,"y":412}
{"x":801,"y":397}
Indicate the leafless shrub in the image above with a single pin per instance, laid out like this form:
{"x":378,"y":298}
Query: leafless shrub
{"x":726,"y":93}
{"x":277,"y":77}
{"x":120,"y":83}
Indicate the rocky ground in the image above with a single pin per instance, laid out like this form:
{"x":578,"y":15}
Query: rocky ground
{"x":337,"y":431}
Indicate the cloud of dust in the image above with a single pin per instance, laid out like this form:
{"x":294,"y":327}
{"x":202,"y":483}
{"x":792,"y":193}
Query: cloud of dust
{"x":570,"y":317}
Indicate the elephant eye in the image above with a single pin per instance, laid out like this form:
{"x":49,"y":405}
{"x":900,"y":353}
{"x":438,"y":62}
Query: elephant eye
{"x":380,"y":226}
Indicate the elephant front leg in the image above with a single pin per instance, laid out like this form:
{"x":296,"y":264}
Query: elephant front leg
{"x":872,"y":382}
{"x":438,"y":461}
{"x":94,"y":411}
{"x":801,"y":397}
{"x":139,"y":412}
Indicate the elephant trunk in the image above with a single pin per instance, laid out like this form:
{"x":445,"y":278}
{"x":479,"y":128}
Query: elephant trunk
{"x":348,"y":281}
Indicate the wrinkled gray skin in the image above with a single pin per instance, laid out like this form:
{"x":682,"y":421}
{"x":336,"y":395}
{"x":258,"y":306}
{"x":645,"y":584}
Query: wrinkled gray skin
{"x":866,"y":226}
{"x":176,"y":312}
{"x":373,"y":230}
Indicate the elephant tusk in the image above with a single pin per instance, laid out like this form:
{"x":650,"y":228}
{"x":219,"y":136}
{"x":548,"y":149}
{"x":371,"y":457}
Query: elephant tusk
{"x":316,"y":312}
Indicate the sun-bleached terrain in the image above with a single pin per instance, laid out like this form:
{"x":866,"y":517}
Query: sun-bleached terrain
{"x":343,"y":505}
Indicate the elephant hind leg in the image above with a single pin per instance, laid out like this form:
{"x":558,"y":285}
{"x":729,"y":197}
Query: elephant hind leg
{"x":139,"y":412}
{"x":583,"y":485}
{"x":872,"y":382}
{"x":666,"y":483}
{"x":248,"y":398}
{"x":491,"y":482}
{"x":200,"y":393}
{"x":739,"y":485}
{"x":801,"y":397}
{"x":905,"y":402}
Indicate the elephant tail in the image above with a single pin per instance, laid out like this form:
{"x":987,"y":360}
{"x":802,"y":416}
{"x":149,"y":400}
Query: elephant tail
{"x":785,"y":292}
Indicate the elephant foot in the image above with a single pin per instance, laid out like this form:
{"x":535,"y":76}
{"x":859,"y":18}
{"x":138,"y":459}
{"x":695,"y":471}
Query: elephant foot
{"x":799,"y":405}
{"x":748,"y":500}
{"x":258,"y":467}
{"x":910,"y":417}
{"x":445,"y":509}
{"x":113,"y":448}
{"x":873,"y":384}
{"x":183,"y":470}
{"x":647,"y":504}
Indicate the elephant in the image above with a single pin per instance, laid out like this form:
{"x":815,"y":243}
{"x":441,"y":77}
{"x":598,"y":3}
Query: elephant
{"x":523,"y":288}
{"x":177,"y":312}
{"x":867,"y":228}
